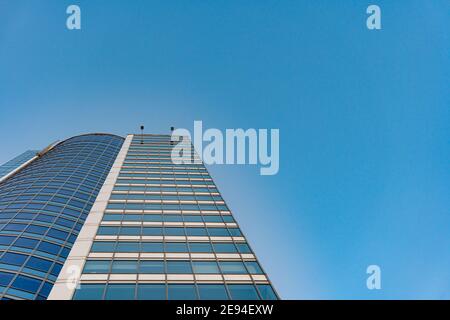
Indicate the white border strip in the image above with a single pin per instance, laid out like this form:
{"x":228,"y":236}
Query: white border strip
{"x":23,"y":165}
{"x":70,"y":274}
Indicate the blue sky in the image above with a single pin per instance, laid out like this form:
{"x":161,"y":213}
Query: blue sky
{"x":363,"y":117}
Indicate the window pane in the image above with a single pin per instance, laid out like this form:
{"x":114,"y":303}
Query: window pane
{"x":103,"y":247}
{"x":224,"y":247}
{"x":174,"y":231}
{"x":108,"y":231}
{"x":124,"y":267}
{"x":200,"y":247}
{"x":179,"y":267}
{"x":188,"y":218}
{"x":173,"y":218}
{"x":243,"y":248}
{"x":266,"y":292}
{"x":151,"y":292}
{"x":152,"y":217}
{"x":176,"y":247}
{"x":26,"y":284}
{"x":130,"y":231}
{"x":196,"y":232}
{"x":148,"y":266}
{"x":235,"y":232}
{"x":13,"y":258}
{"x":128,"y":247}
{"x":212,"y":218}
{"x":152,"y":247}
{"x":243,"y":292}
{"x":233,"y":267}
{"x":218,"y":232}
{"x":89,"y":292}
{"x":182,"y":292}
{"x":205,"y":267}
{"x":96,"y":266}
{"x":120,"y":292}
{"x":148,"y":231}
{"x":253,"y":267}
{"x":212,"y":292}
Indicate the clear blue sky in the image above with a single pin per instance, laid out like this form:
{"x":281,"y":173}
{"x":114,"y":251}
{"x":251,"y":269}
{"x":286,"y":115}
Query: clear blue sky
{"x":363,"y":117}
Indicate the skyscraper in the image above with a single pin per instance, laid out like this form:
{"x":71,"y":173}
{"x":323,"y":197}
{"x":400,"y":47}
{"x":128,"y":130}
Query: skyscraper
{"x":156,"y":230}
{"x":43,"y":206}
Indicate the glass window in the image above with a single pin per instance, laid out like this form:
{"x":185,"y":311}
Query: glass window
{"x":205,"y":267}
{"x":39,"y":264}
{"x":243,"y":292}
{"x":152,"y":247}
{"x":120,"y":266}
{"x":108,"y":231}
{"x":96,"y":266}
{"x":49,"y":247}
{"x":212,"y":219}
{"x":181,"y":292}
{"x":212,"y":292}
{"x":174,"y":231}
{"x":218,"y":232}
{"x":266,"y":292}
{"x":132,"y":217}
{"x":189,"y":218}
{"x":196,"y":232}
{"x":232,"y":267}
{"x":89,"y":292}
{"x":200,"y":247}
{"x":56,"y":269}
{"x":151,"y":292}
{"x":152,"y":231}
{"x":179,"y":267}
{"x":130,"y":231}
{"x":150,"y":266}
{"x":26,"y":284}
{"x":6,"y":240}
{"x":243,"y":248}
{"x":224,"y":247}
{"x":228,"y":219}
{"x":46,"y":288}
{"x":173,"y":218}
{"x":120,"y":292}
{"x":152,"y":217}
{"x":13,"y":258}
{"x":26,"y":243}
{"x":128,"y":246}
{"x":235,"y":232}
{"x":176,"y":247}
{"x":103,"y":246}
{"x":253,"y":267}
{"x":112,"y":217}
{"x":5,"y":278}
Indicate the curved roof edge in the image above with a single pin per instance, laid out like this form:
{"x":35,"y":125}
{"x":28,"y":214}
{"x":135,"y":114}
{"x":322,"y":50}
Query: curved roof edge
{"x":53,"y":145}
{"x":95,"y":134}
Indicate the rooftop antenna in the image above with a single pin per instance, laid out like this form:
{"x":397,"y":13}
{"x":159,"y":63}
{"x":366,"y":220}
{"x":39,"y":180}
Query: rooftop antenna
{"x":142,"y":134}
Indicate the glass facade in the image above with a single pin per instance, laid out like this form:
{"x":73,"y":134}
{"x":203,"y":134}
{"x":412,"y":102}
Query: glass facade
{"x":16,"y":162}
{"x":166,"y":233}
{"x":42,"y":209}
